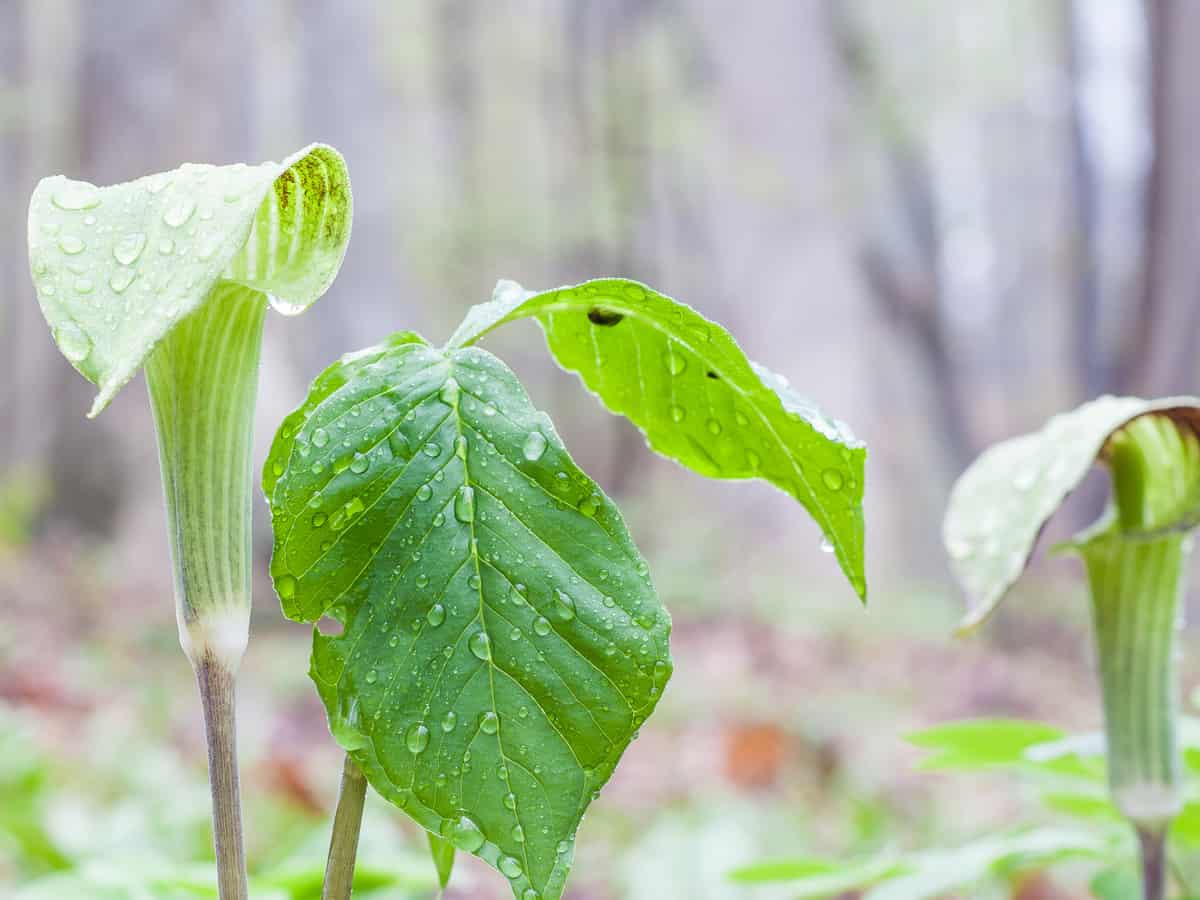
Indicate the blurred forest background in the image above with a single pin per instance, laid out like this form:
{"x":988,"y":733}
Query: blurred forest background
{"x":942,"y":221}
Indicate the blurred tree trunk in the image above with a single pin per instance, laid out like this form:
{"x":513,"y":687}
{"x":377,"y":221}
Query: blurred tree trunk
{"x":1160,"y":355}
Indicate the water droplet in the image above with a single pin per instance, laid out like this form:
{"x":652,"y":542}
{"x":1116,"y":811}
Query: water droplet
{"x":78,"y":195}
{"x":416,"y":738}
{"x":398,"y":444}
{"x":676,"y":363}
{"x":531,"y":894}
{"x":121,"y":279}
{"x":740,"y":418}
{"x":129,"y":248}
{"x":563,"y":847}
{"x":826,"y":545}
{"x":83,"y":285}
{"x":714,"y":427}
{"x":70,"y":244}
{"x":372,"y":676}
{"x":360,"y":464}
{"x":564,"y":604}
{"x":534,"y":446}
{"x":318,"y":520}
{"x":517,"y":594}
{"x":73,"y":342}
{"x":166,"y":246}
{"x":449,"y":392}
{"x":320,"y":438}
{"x":465,"y":835}
{"x":424,"y":492}
{"x":489,"y":722}
{"x":180,"y":212}
{"x":436,"y":615}
{"x":480,"y":645}
{"x":833,"y":479}
{"x":286,"y":586}
{"x":678,"y":413}
{"x":541,"y":625}
{"x":509,"y":867}
{"x":510,"y":800}
{"x":431,"y":449}
{"x":753,"y":460}
{"x":449,"y":721}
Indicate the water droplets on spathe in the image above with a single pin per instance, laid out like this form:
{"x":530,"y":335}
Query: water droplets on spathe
{"x":76,"y":196}
{"x":73,"y":342}
{"x":129,"y":248}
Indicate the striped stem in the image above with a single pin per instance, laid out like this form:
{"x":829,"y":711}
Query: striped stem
{"x":203,"y":379}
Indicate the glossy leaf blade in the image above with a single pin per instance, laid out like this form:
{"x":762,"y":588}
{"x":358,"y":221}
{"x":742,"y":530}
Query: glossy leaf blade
{"x":684,"y":381}
{"x":1001,"y":503}
{"x":502,"y":641}
{"x":117,"y":268}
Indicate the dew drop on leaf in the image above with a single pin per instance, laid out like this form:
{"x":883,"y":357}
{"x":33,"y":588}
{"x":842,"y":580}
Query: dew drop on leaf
{"x":510,"y":867}
{"x":826,"y":545}
{"x":678,"y":413}
{"x":676,"y":363}
{"x":464,"y":504}
{"x":436,"y":615}
{"x":534,"y":446}
{"x":449,"y":721}
{"x":360,"y":464}
{"x":76,"y":196}
{"x":372,"y":676}
{"x":480,"y":646}
{"x":129,"y":248}
{"x":833,"y":479}
{"x":541,"y":625}
{"x":177,"y":214}
{"x":70,"y":244}
{"x":320,"y":438}
{"x":489,"y":722}
{"x":465,"y":835}
{"x":286,"y":585}
{"x":73,"y":342}
{"x":416,"y":738}
{"x":121,"y":279}
{"x":564,"y":604}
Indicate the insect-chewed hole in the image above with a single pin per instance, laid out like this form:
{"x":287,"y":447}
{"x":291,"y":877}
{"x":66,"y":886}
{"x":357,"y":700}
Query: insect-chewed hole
{"x":605,"y":318}
{"x":330,"y":627}
{"x":713,"y":375}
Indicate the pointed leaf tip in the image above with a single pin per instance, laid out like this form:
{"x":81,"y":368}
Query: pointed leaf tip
{"x":686,"y":384}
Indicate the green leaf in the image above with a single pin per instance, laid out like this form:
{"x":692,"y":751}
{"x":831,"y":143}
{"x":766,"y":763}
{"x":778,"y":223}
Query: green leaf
{"x":442,"y":852}
{"x":683,"y":380}
{"x":981,"y":743}
{"x":1117,"y":883}
{"x":1001,"y":503}
{"x":117,"y":268}
{"x":502,"y":641}
{"x":817,"y":877}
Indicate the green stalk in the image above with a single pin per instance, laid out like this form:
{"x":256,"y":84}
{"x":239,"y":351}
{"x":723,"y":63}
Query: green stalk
{"x":203,"y":378}
{"x":343,"y":842}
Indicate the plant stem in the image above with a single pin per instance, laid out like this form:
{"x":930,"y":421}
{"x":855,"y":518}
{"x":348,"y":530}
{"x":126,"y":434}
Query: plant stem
{"x":343,"y":843}
{"x":1154,"y":862}
{"x":217,"y":695}
{"x":202,"y":378}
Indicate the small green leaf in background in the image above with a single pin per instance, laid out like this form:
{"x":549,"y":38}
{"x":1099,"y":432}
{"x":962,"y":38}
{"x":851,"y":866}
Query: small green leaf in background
{"x":1001,"y":503}
{"x":117,"y":268}
{"x":978,"y":744}
{"x":1117,"y":883}
{"x":502,"y":640}
{"x":683,"y":380}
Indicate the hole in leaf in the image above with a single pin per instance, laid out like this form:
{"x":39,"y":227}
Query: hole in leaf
{"x":713,"y":375}
{"x":330,"y":627}
{"x":605,"y":318}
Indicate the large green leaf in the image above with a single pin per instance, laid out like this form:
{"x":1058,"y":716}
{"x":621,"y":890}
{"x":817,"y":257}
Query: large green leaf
{"x":683,"y":380}
{"x":117,"y":268}
{"x":502,"y":641}
{"x":1001,"y":503}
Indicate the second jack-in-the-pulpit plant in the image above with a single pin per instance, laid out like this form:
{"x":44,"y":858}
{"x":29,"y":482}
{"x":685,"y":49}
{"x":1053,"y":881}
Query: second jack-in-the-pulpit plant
{"x":175,"y":272}
{"x":1136,"y":559}
{"x":498,"y":640}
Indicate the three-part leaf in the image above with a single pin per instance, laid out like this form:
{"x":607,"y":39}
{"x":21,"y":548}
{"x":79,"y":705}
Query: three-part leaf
{"x":1001,"y":503}
{"x":683,"y":380}
{"x":502,"y":641}
{"x":117,"y":268}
